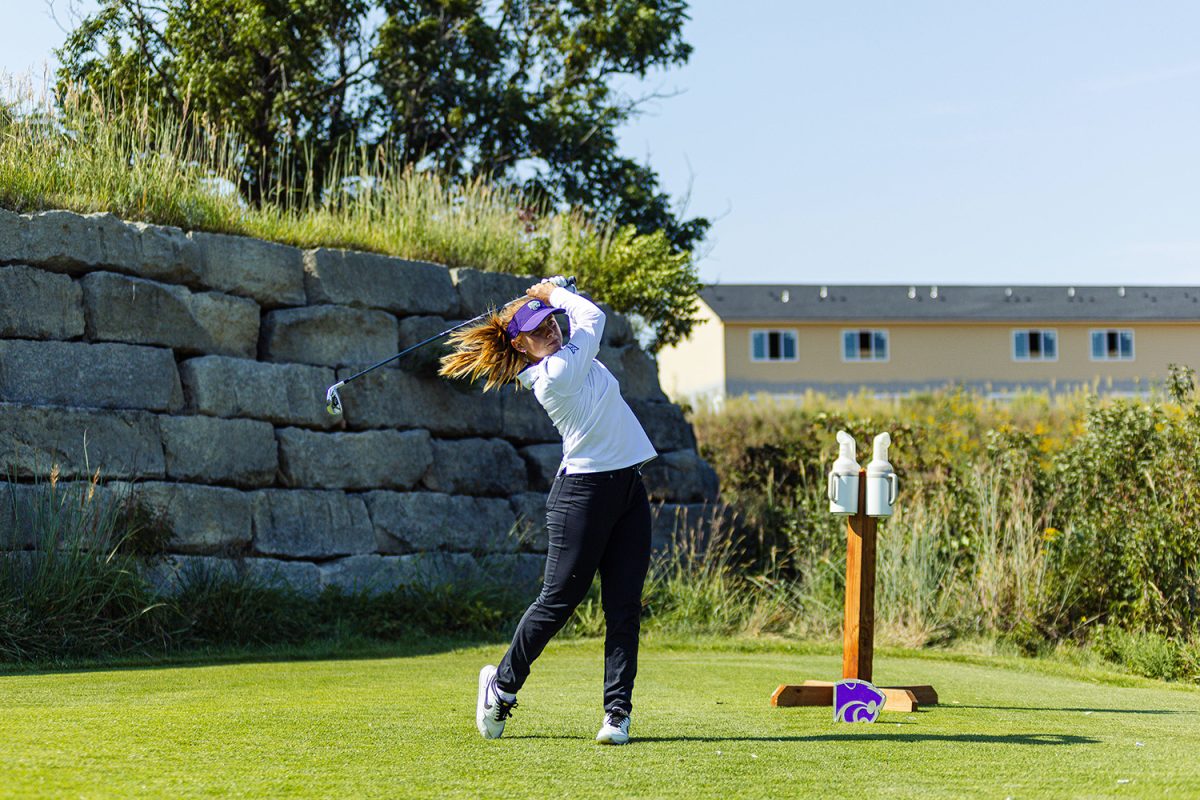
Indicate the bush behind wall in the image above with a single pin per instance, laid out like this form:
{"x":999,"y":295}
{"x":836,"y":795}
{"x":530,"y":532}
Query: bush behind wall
{"x":1031,"y":521}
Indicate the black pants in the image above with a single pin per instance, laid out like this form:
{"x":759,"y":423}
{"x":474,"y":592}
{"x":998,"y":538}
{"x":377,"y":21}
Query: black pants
{"x":596,"y":520}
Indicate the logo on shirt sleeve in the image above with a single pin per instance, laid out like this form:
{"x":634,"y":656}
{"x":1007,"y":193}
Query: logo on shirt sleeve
{"x":573,"y":348}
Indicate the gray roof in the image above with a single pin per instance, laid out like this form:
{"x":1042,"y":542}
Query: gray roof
{"x":763,"y":302}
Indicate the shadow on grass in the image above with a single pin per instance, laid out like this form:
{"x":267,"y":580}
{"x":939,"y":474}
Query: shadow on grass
{"x":969,"y":738}
{"x":1079,"y":709}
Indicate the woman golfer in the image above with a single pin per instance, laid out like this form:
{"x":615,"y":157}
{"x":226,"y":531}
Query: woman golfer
{"x":597,"y":514}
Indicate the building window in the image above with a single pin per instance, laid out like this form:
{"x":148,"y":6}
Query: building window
{"x":865,"y":345}
{"x":1112,"y":345}
{"x":1035,"y":345}
{"x":772,"y":345}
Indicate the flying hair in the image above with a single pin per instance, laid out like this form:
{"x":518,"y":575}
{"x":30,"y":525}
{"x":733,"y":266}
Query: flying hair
{"x":484,"y":350}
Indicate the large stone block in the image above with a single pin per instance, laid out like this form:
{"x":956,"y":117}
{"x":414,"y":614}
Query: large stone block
{"x":480,"y":291}
{"x":426,"y":359}
{"x":664,"y":423}
{"x":39,"y":305}
{"x":271,"y":274}
{"x":328,"y":336}
{"x":680,"y":477}
{"x":14,"y":232}
{"x":395,"y":398}
{"x":530,"y":510}
{"x":524,"y":420}
{"x":365,"y":574}
{"x":164,"y":254}
{"x":635,"y":371}
{"x":475,"y":466}
{"x":518,"y":573}
{"x":285,"y":394}
{"x":301,"y":524}
{"x":367,"y":280}
{"x":89,"y":375}
{"x":231,"y":452}
{"x":302,"y":577}
{"x":618,"y":332}
{"x":172,"y":574}
{"x":77,"y":243}
{"x":370,"y":460}
{"x":123,"y":309}
{"x":120,"y":444}
{"x":374,"y":574}
{"x":192,"y":518}
{"x":543,"y":462}
{"x":61,"y":514}
{"x":407,"y":522}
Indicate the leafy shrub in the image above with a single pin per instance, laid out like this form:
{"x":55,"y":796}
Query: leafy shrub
{"x":1150,"y":654}
{"x":1130,"y":513}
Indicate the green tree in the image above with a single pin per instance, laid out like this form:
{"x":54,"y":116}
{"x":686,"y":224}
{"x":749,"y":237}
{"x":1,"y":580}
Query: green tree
{"x":520,"y":91}
{"x":275,"y":73}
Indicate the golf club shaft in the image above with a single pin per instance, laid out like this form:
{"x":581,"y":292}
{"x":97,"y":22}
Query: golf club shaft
{"x":408,"y":350}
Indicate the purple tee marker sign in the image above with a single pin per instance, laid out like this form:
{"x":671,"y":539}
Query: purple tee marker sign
{"x":856,"y":701}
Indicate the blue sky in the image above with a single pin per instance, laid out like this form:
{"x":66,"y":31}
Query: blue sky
{"x":917,"y":142}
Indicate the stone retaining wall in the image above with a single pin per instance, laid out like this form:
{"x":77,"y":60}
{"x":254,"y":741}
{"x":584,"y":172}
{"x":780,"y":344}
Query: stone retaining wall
{"x":190,"y":368}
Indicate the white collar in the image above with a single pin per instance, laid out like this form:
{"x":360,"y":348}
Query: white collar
{"x":526,"y":376}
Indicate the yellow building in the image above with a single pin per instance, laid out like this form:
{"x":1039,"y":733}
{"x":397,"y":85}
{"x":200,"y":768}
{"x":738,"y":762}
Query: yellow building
{"x":785,"y":340}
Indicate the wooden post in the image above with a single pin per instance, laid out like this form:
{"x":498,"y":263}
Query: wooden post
{"x":858,"y":632}
{"x":858,"y":636}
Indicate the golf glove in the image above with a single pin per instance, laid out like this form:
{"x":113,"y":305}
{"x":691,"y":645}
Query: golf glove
{"x":565,"y":283}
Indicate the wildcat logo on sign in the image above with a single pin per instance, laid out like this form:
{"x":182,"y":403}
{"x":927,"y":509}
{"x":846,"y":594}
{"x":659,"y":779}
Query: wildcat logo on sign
{"x":856,"y":701}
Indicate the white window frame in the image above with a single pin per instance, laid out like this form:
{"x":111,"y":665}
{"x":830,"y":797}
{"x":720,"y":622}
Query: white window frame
{"x":887,"y":336}
{"x":1043,"y":359}
{"x":1118,"y":331}
{"x":792,"y":332}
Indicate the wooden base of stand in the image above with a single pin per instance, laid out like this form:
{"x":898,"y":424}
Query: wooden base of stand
{"x":820,"y":693}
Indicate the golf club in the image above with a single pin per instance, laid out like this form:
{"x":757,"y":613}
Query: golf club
{"x":333,"y":401}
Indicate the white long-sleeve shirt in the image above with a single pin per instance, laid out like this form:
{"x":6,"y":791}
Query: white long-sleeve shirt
{"x":599,"y":431}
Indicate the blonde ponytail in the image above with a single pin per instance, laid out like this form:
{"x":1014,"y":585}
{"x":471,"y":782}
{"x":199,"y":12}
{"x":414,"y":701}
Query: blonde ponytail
{"x":484,"y":350}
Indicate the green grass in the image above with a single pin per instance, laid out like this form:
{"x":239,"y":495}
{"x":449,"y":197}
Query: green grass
{"x":402,"y":726}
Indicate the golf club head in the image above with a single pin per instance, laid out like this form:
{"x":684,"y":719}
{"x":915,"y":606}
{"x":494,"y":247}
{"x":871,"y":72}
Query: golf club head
{"x":333,"y":401}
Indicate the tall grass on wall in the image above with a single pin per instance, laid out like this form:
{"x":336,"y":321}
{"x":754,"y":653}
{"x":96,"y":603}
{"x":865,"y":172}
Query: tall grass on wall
{"x":88,"y":153}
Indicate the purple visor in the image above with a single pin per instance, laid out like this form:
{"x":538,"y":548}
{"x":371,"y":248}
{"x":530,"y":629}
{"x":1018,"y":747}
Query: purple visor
{"x":529,"y":316}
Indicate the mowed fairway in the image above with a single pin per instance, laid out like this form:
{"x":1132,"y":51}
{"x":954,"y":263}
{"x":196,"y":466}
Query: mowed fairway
{"x":404,"y":727}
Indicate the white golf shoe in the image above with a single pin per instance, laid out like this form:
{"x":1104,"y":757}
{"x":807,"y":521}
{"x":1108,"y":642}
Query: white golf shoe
{"x":615,"y":729}
{"x":491,"y":708}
